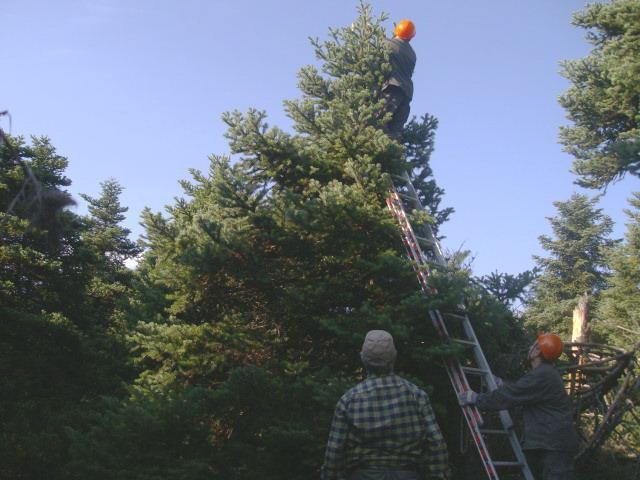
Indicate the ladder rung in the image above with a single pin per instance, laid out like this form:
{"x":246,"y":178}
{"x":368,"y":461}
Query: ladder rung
{"x":474,"y":371}
{"x":404,"y":195}
{"x":426,"y":240}
{"x":507,"y":464}
{"x":492,"y":431}
{"x":464,"y":342}
{"x":454,"y":315}
{"x":399,"y":177}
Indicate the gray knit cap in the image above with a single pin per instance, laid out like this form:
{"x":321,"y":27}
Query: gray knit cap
{"x":378,"y":349}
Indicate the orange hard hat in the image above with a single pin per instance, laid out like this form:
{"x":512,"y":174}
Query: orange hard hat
{"x":405,"y":29}
{"x":550,"y":346}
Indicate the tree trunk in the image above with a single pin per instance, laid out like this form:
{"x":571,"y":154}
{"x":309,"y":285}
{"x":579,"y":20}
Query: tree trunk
{"x":580,"y":334}
{"x":581,"y":320}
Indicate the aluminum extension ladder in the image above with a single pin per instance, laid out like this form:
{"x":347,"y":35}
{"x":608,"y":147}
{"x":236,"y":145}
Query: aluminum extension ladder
{"x":424,"y":250}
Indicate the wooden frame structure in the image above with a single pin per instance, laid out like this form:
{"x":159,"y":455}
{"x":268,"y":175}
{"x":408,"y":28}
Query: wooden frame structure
{"x":604,"y":384}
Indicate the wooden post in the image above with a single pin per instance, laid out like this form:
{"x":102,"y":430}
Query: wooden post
{"x":580,"y":334}
{"x":581,"y":320}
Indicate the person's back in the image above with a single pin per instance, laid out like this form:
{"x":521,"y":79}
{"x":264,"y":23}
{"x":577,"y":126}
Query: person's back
{"x":383,"y":428}
{"x":550,"y":418}
{"x":387,"y":415}
{"x":403,"y":62}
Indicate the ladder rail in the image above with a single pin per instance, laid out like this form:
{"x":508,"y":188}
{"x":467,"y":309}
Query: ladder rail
{"x":455,"y":371}
{"x":414,"y":252}
{"x":471,"y":413}
{"x":437,"y":251}
{"x":505,"y":418}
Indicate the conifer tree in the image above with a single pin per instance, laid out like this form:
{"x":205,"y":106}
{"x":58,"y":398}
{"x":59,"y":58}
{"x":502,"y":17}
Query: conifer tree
{"x":619,"y":309}
{"x":576,"y":263}
{"x":296,"y":228}
{"x":36,"y":262}
{"x":602,"y":101}
{"x":508,"y":288}
{"x":108,"y":243}
{"x":105,"y":231}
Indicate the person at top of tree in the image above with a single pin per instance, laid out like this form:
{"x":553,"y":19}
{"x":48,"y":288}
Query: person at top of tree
{"x":398,"y":89}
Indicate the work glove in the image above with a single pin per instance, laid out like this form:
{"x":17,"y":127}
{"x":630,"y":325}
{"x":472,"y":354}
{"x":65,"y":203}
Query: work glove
{"x":467,"y":398}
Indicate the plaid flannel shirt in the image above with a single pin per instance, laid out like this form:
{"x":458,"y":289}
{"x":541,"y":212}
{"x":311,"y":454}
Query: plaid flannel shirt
{"x":384,"y":421}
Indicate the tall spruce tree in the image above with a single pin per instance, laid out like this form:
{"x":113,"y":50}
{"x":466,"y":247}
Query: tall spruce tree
{"x":576,"y":263}
{"x":602,"y":101}
{"x":105,"y":231}
{"x":110,"y":246}
{"x":619,"y":309}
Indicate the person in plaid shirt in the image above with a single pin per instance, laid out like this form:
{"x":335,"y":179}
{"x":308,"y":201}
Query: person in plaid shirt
{"x":384,"y":428}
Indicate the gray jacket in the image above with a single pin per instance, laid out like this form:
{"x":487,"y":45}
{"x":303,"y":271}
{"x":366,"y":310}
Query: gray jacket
{"x":547,"y":411}
{"x":403,"y":61}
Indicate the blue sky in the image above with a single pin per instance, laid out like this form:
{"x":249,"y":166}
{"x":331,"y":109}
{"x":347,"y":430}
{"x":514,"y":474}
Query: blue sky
{"x":134,"y":90}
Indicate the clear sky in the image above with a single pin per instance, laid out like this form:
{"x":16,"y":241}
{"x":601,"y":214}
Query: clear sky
{"x":134,"y":90}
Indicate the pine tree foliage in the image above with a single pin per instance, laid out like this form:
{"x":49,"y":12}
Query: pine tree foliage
{"x":105,"y":232}
{"x":507,"y":288}
{"x":296,"y":228}
{"x":108,"y":244}
{"x":36,"y":263}
{"x":55,"y":355}
{"x":576,"y":263}
{"x":603,"y":100}
{"x":619,"y":309}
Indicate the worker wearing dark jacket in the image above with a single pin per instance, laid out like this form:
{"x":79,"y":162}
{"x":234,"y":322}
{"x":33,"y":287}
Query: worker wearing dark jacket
{"x":550,"y":440}
{"x":398,"y":90}
{"x":384,"y":428}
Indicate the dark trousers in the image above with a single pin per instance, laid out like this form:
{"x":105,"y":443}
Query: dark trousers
{"x":399,"y":106}
{"x":551,"y":464}
{"x":373,"y":473}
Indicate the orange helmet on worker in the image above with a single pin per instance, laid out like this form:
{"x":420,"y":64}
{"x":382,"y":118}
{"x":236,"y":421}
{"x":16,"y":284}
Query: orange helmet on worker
{"x":550,"y":346}
{"x":405,"y":30}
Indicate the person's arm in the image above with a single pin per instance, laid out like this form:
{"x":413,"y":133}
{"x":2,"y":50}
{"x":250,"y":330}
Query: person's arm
{"x":528,"y":390}
{"x":436,"y":456}
{"x":334,"y":454}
